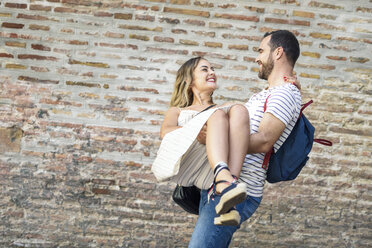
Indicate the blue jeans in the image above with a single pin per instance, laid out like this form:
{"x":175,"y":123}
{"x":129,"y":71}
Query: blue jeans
{"x":208,"y":235}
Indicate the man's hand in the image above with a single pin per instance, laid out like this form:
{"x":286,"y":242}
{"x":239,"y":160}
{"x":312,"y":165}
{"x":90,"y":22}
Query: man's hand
{"x":202,"y":136}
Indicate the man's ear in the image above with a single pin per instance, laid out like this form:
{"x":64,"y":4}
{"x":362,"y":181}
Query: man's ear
{"x":278,"y":53}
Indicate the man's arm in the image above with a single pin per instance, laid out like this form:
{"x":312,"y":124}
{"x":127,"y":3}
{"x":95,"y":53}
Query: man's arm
{"x":269,"y":131}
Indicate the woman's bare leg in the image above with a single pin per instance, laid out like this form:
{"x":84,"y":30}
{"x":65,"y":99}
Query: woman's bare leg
{"x":218,"y":145}
{"x":239,"y":132}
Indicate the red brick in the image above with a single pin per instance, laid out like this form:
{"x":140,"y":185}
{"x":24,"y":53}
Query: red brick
{"x":227,"y":6}
{"x":64,"y":10}
{"x":58,"y":102}
{"x":15,"y":66}
{"x":337,"y":58}
{"x":169,"y":20}
{"x":321,"y":36}
{"x":124,"y":16}
{"x":166,"y":51}
{"x":131,"y":88}
{"x":164,"y":39}
{"x":238,"y":47}
{"x":37,"y":57}
{"x":307,"y":75}
{"x":145,"y":18}
{"x":255,"y":9}
{"x":39,"y":27}
{"x":249,"y":59}
{"x":204,"y":4}
{"x":32,"y":17}
{"x":364,"y":9}
{"x":324,"y":5}
{"x":238,"y":17}
{"x":136,"y":27}
{"x":286,"y":21}
{"x":185,"y":2}
{"x":195,"y":22}
{"x":213,"y":44}
{"x":114,"y":35}
{"x":245,"y":37}
{"x":39,"y":69}
{"x":156,"y":122}
{"x":40,"y":47}
{"x":12,"y":25}
{"x":189,"y":42}
{"x":317,"y":66}
{"x":359,"y":59}
{"x":101,"y":191}
{"x":331,"y":27}
{"x":310,"y":54}
{"x":204,"y":33}
{"x":132,"y":164}
{"x":103,"y":181}
{"x":16,"y":5}
{"x":83,"y":2}
{"x":6,"y":55}
{"x":220,"y":25}
{"x":214,"y":55}
{"x":103,"y":44}
{"x":40,"y":7}
{"x":281,"y":12}
{"x":92,"y":64}
{"x":304,"y":14}
{"x":139,"y":37}
{"x":36,"y":80}
{"x":84,"y":84}
{"x":353,"y":39}
{"x":77,"y":42}
{"x":187,"y":12}
{"x":103,"y":14}
{"x":131,"y":119}
{"x":179,"y":31}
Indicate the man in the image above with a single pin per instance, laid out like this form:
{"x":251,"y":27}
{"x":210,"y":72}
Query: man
{"x":278,"y":53}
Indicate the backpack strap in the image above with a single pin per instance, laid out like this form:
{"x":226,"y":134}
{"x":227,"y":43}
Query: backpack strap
{"x":265,"y":163}
{"x":323,"y":142}
{"x":303,"y":106}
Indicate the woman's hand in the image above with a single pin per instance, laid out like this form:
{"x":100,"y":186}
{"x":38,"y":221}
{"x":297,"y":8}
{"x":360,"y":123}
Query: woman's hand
{"x":293,"y":80}
{"x":202,"y":136}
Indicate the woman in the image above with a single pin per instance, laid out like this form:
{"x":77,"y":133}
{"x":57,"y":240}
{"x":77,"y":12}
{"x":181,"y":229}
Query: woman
{"x":226,"y":143}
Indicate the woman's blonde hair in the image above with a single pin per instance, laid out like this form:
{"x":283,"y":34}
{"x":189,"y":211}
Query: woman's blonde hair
{"x":182,"y":95}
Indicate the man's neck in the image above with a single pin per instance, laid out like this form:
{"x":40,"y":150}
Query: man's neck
{"x":276,"y":77}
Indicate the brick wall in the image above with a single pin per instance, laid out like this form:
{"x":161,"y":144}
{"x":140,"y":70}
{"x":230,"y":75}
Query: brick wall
{"x":84,"y":85}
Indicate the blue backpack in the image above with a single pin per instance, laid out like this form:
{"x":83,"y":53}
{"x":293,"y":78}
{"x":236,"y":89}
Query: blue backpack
{"x":286,"y":163}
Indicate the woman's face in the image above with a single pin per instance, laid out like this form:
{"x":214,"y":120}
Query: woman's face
{"x":204,"y":78}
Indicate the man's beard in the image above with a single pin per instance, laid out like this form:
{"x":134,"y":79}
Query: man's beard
{"x":267,"y":68}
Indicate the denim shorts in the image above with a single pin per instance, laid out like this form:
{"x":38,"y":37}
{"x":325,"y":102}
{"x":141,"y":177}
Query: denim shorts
{"x":208,"y":235}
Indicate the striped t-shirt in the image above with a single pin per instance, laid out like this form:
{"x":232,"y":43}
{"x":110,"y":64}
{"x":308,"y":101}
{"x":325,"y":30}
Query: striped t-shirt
{"x":285,"y":104}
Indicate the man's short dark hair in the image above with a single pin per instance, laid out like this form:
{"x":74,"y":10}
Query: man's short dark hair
{"x":286,"y":40}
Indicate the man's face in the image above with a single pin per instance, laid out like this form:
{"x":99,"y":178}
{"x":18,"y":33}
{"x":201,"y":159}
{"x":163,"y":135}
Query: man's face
{"x":265,"y":59}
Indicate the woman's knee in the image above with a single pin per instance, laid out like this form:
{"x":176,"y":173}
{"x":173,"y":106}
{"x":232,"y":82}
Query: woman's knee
{"x":218,"y":115}
{"x":239,"y":112}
